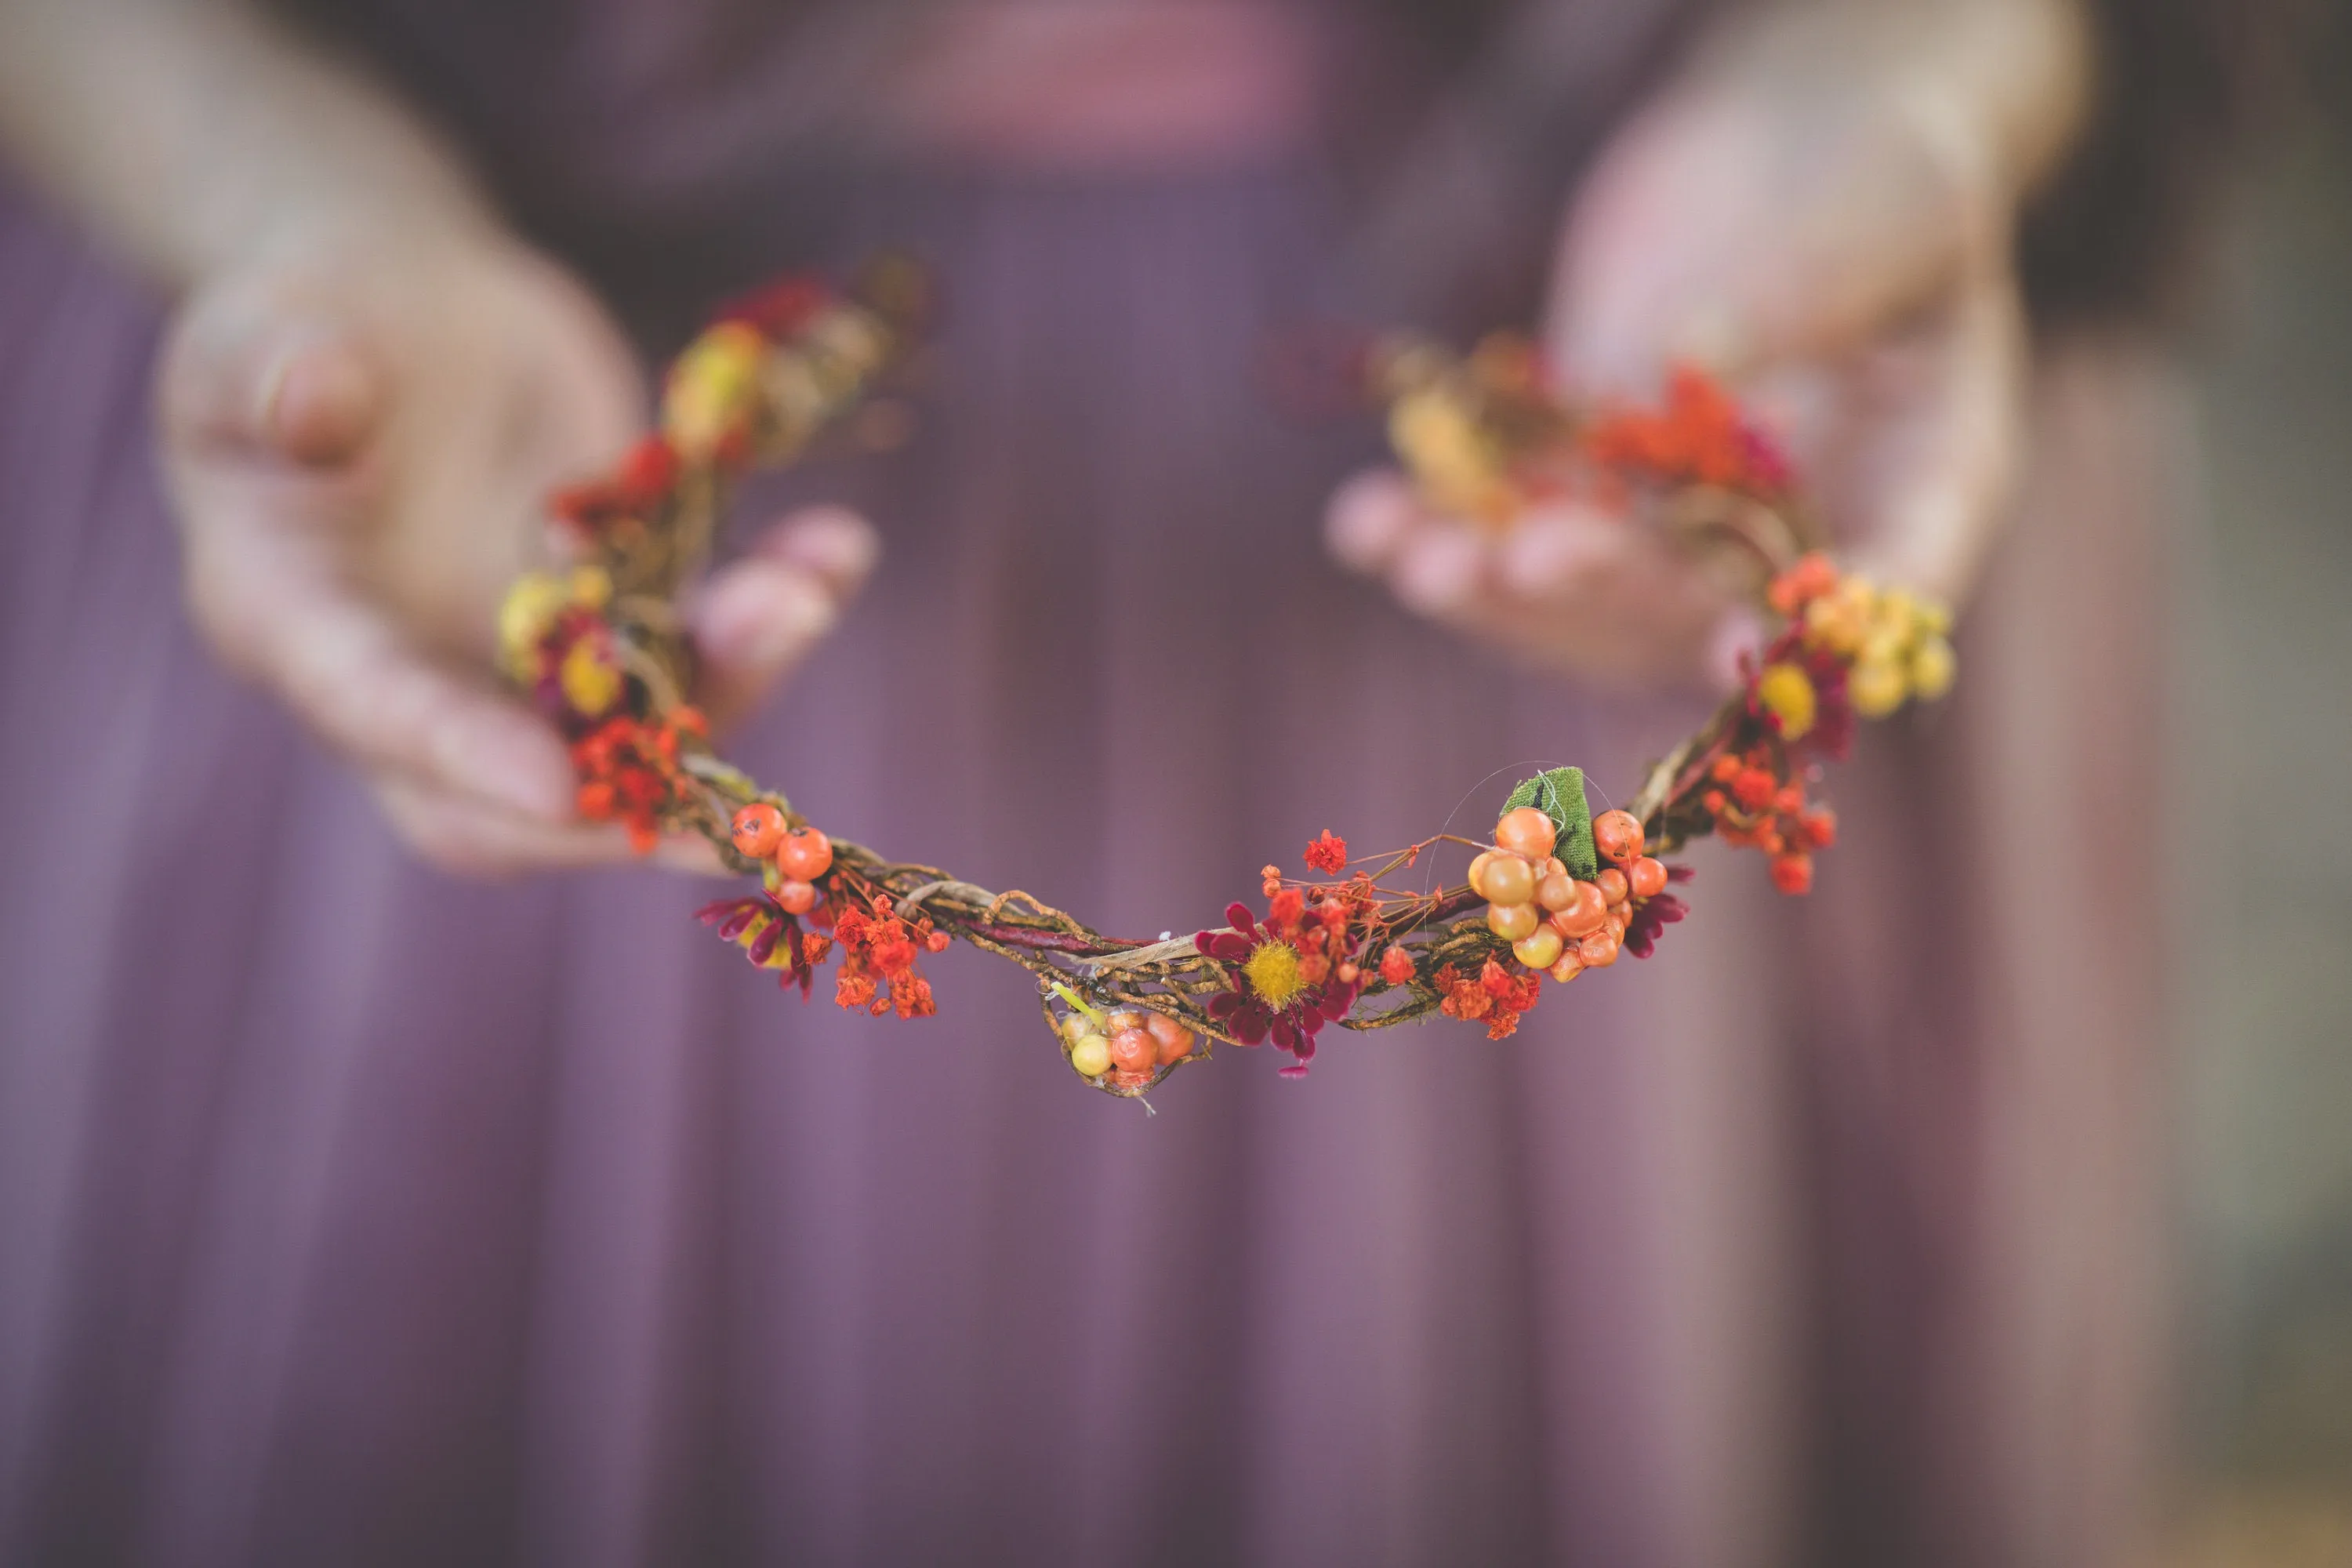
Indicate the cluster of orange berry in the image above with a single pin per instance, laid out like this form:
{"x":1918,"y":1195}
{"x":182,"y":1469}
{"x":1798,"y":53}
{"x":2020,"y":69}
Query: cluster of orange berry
{"x":1536,"y":905}
{"x":1755,"y":806}
{"x":793,"y":860}
{"x":1125,"y":1048}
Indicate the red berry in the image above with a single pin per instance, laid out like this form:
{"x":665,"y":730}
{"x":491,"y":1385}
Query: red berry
{"x":804,"y":854}
{"x":797,"y":898}
{"x":1820,"y":826}
{"x":1134,"y":1050}
{"x":1617,"y":835}
{"x":1793,"y":874}
{"x":758,"y":828}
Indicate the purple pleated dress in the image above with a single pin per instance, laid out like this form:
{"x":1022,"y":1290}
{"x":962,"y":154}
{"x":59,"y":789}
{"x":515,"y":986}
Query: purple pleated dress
{"x":354,"y":1214}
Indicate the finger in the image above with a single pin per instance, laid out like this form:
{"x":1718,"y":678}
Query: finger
{"x":835,"y":543}
{"x":1440,"y":570}
{"x":366,"y":690}
{"x":1553,"y":552}
{"x":243,"y":373}
{"x":1946,"y":474}
{"x":760,"y":615}
{"x":1370,"y":518}
{"x":477,"y":838}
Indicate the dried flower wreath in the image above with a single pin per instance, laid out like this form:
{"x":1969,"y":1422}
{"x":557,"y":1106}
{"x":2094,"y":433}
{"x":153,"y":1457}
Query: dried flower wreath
{"x":1559,"y":891}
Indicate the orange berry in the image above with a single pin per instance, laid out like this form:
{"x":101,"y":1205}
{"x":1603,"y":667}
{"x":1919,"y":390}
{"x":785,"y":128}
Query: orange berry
{"x":1790,"y":800}
{"x":1583,"y":917}
{"x":1556,"y":892}
{"x":797,"y":898}
{"x":804,"y":854}
{"x":1725,"y":768}
{"x":1568,"y":967}
{"x":1172,"y":1038}
{"x":1613,"y":885}
{"x":758,"y":828}
{"x":1598,"y":951}
{"x":1793,"y":874}
{"x":1512,"y":921}
{"x":1527,"y":832}
{"x":1506,"y":880}
{"x":1617,"y":835}
{"x":1820,"y":826}
{"x":1647,"y":877}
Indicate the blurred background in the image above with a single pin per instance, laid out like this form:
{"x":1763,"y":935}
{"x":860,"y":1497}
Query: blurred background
{"x":2265,"y":1124}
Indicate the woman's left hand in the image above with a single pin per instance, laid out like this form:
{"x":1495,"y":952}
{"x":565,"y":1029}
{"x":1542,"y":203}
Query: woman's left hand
{"x":1822,"y":212}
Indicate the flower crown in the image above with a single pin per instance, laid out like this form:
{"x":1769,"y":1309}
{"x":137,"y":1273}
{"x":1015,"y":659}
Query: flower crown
{"x":1558,"y":892}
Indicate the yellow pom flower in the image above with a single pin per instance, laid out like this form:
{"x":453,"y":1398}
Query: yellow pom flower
{"x":712,"y":388}
{"x":1272,"y":971}
{"x":526,"y":616}
{"x":1787,"y":693}
{"x":592,"y":684}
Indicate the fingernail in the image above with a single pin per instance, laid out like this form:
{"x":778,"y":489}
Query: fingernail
{"x":762,"y":614}
{"x":837,"y":542}
{"x":318,"y":399}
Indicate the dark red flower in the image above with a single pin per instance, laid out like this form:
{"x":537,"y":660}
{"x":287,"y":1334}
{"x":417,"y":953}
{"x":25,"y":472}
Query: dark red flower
{"x":1286,"y":973}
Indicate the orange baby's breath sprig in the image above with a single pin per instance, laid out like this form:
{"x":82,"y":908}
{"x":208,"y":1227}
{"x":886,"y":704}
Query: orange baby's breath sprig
{"x":597,"y":646}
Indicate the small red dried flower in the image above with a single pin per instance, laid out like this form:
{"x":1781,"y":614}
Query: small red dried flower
{"x":1327,"y":855}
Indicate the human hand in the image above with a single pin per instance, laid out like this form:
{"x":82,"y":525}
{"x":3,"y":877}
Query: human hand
{"x":360,"y":424}
{"x":1821,"y":213}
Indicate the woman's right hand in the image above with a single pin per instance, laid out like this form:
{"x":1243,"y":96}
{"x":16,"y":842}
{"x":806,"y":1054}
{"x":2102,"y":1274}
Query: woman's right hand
{"x":362,"y":421}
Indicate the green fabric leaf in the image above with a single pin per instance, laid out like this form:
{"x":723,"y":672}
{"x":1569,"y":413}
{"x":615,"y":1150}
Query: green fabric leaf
{"x":1559,"y":794}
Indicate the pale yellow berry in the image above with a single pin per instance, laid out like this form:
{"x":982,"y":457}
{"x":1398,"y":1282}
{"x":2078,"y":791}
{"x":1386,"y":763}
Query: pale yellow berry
{"x":1091,"y":1055}
{"x":1876,"y":689}
{"x":1932,"y":668}
{"x":1539,"y":951}
{"x":1512,"y":921}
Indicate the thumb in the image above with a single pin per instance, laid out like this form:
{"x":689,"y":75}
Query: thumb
{"x":249,"y":374}
{"x":760,"y":615}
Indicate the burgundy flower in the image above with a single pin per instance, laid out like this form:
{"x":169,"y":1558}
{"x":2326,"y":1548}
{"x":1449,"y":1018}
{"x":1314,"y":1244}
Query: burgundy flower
{"x":1273,"y":996}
